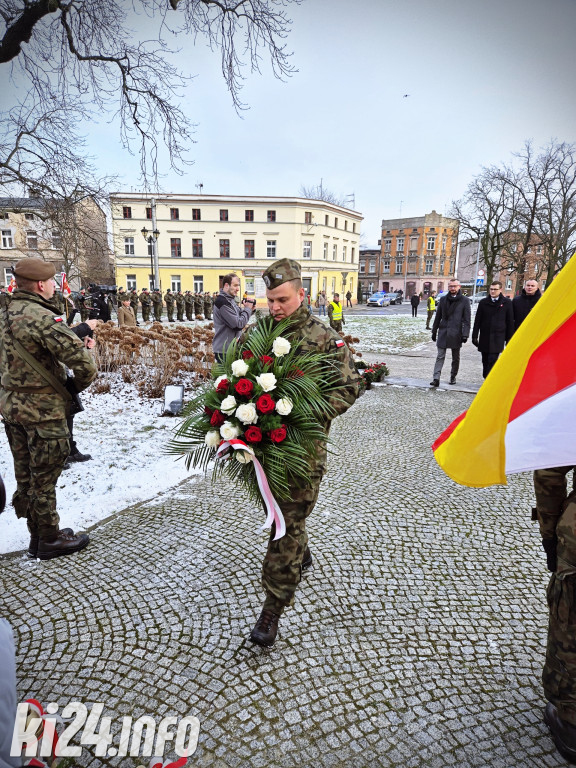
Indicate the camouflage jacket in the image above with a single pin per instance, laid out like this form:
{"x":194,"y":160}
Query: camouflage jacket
{"x":26,"y":397}
{"x":315,"y":336}
{"x":179,"y":299}
{"x":156,"y":297}
{"x":169,"y":299}
{"x":133,"y":298}
{"x":198,"y":305}
{"x":207,"y":302}
{"x":145,"y":299}
{"x":189,"y":299}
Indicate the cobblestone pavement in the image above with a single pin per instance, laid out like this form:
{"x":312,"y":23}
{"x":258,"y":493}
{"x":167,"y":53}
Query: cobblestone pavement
{"x":417,"y":639}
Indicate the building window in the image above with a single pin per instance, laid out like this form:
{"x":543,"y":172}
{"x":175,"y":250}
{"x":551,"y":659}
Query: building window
{"x":508,"y":284}
{"x":56,"y":239}
{"x":307,"y":249}
{"x":223,"y":214}
{"x":198,"y":283}
{"x":271,"y":249}
{"x":248,"y":215}
{"x":428,"y":266}
{"x":151,"y":248}
{"x":362,"y":267}
{"x":249,"y":285}
{"x":399,"y":266}
{"x":175,"y":283}
{"x":325,"y":251}
{"x":372,"y":268}
{"x":353,"y":226}
{"x":388,"y":244}
{"x":344,"y":249}
{"x":413,"y":243}
{"x":346,"y":224}
{"x":336,"y":222}
{"x":444,"y":241}
{"x":127,"y":212}
{"x":333,"y":285}
{"x":175,"y":247}
{"x":353,"y":255}
{"x":29,"y":216}
{"x":386,"y":265}
{"x":224,"y":249}
{"x":129,"y":246}
{"x":326,"y":220}
{"x":32,"y":239}
{"x":196,"y":214}
{"x":131,"y":282}
{"x":7,"y":276}
{"x":400,"y":245}
{"x":538,"y":250}
{"x":370,"y":287}
{"x":148,"y":213}
{"x":271,"y":216}
{"x":335,"y":252}
{"x":197,"y":248}
{"x":543,"y":286}
{"x":248,"y":249}
{"x":307,"y":217}
{"x":431,"y":243}
{"x":174,"y":213}
{"x":324,"y":282}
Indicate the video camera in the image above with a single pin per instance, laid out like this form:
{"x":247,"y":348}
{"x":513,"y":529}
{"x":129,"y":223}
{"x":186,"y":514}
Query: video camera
{"x":107,"y":289}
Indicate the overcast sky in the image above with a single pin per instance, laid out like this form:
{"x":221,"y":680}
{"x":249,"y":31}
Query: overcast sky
{"x":482,"y":77}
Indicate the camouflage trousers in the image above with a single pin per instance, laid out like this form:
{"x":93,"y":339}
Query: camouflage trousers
{"x":559,"y":675}
{"x":282,"y":567}
{"x":157,"y":312}
{"x":145,"y":313}
{"x":170,"y":313}
{"x":180,"y":313}
{"x":135,"y":308}
{"x":39,"y":454}
{"x":337,"y":325}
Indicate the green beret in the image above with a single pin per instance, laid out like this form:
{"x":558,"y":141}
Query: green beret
{"x":281,"y":272}
{"x":35,"y":269}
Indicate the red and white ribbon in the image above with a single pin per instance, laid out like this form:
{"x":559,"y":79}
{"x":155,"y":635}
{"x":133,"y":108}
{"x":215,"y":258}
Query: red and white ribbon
{"x":274,"y":512}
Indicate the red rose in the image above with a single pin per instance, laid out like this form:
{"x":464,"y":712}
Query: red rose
{"x":265,"y":404}
{"x":244,"y":387}
{"x":223,"y":385}
{"x":266,"y":360}
{"x":247,"y":354}
{"x":295,"y":373}
{"x":217,"y":419}
{"x":208,"y":411}
{"x":253,"y":435}
{"x":279,"y":434}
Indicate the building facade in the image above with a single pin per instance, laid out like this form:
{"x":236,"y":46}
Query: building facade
{"x":417,"y":255}
{"x":506,"y":268}
{"x":201,"y":238}
{"x":73,"y":237}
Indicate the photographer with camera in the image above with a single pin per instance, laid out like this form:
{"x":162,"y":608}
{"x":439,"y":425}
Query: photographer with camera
{"x":229,"y":318}
{"x":100,"y":301}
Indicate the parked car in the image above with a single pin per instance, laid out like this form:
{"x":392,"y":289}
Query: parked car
{"x":378,"y":299}
{"x":479,"y":296}
{"x":394,"y":298}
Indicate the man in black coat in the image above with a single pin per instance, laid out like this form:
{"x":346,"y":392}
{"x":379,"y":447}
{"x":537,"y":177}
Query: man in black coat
{"x":414,"y":301}
{"x":493,"y":326}
{"x":523,"y":304}
{"x":451,"y":328}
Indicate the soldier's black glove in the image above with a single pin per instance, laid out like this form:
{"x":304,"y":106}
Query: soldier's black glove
{"x":433,"y":335}
{"x":549,"y":546}
{"x":464,"y":339}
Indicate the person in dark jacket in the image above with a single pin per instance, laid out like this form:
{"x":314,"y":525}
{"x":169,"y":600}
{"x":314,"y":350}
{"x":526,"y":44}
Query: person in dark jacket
{"x":451,"y":329}
{"x":229,"y":318}
{"x":414,"y":301}
{"x":493,"y":326}
{"x":524,"y":303}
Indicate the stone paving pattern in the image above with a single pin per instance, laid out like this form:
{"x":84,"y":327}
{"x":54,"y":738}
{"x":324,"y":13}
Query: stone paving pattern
{"x":417,"y":639}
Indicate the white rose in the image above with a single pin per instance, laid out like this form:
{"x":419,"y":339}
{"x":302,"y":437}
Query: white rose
{"x":284,"y":406}
{"x":243,"y":457}
{"x":219,"y":379}
{"x":281,"y":346}
{"x":267,"y":381}
{"x":239,"y":368}
{"x":228,"y":405}
{"x":246,"y":413}
{"x":229,"y":431}
{"x":212,"y":439}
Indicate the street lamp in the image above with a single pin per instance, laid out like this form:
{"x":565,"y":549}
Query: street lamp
{"x":151,"y":238}
{"x":480,"y":236}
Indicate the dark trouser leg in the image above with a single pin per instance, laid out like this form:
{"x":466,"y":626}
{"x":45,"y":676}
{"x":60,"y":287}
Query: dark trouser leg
{"x":414,"y":311}
{"x":488,"y":362}
{"x":428,"y":318}
{"x":18,"y":442}
{"x":70,"y":424}
{"x":282,"y":567}
{"x":455,"y":362}
{"x":559,"y":675}
{"x":440,"y":357}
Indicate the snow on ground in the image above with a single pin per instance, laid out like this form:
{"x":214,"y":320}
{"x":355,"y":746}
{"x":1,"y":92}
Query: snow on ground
{"x":387,"y":334}
{"x":125,"y":436}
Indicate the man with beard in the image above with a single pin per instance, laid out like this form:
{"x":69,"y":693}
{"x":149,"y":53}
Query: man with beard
{"x":451,"y":327}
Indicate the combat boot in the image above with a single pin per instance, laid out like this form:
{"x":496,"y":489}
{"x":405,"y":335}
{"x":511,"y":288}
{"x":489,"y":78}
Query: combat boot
{"x":57,"y":544}
{"x":307,"y":561}
{"x":77,"y":456}
{"x":33,"y":546}
{"x":265,"y":629}
{"x":563,"y":733}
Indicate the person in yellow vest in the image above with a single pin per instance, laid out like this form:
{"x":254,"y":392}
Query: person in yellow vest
{"x":431,"y":306}
{"x":336,"y":314}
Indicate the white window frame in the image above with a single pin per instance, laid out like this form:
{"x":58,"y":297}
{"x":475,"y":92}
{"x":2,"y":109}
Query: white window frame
{"x":175,"y":283}
{"x":400,"y":245}
{"x":429,"y":266}
{"x":372,"y":268}
{"x":56,"y":237}
{"x":326,"y":251}
{"x":271,"y":249}
{"x":344,"y":249}
{"x":431,"y":243}
{"x":307,"y":249}
{"x":129,"y":246}
{"x":198,"y":283}
{"x":31,"y":235}
{"x":335,"y":252}
{"x":130,"y":282}
{"x":362,"y":267}
{"x":388,"y":244}
{"x":386,"y":266}
{"x":249,"y":285}
{"x":508,"y":284}
{"x":7,"y":238}
{"x":399,"y":266}
{"x":7,"y":276}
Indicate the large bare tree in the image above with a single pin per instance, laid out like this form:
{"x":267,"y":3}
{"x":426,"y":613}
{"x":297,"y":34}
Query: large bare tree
{"x":74,"y":59}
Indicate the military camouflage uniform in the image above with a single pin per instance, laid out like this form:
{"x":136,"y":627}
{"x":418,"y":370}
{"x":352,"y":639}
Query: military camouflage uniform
{"x":134,"y":302}
{"x":179,"y":298}
{"x":146,"y":302}
{"x":198,"y":304}
{"x":156,"y":298}
{"x":556,"y":509}
{"x":282,"y":567}
{"x":208,"y":306}
{"x":34,"y":414}
{"x":336,"y":324}
{"x":189,"y":304}
{"x":169,"y":299}
{"x":84,"y":311}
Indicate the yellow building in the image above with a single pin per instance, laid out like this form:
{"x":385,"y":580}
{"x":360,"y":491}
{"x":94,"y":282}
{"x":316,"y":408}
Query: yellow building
{"x":201,"y":238}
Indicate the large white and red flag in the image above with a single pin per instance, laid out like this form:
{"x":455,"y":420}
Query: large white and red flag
{"x":64,"y":287}
{"x":524,"y":414}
